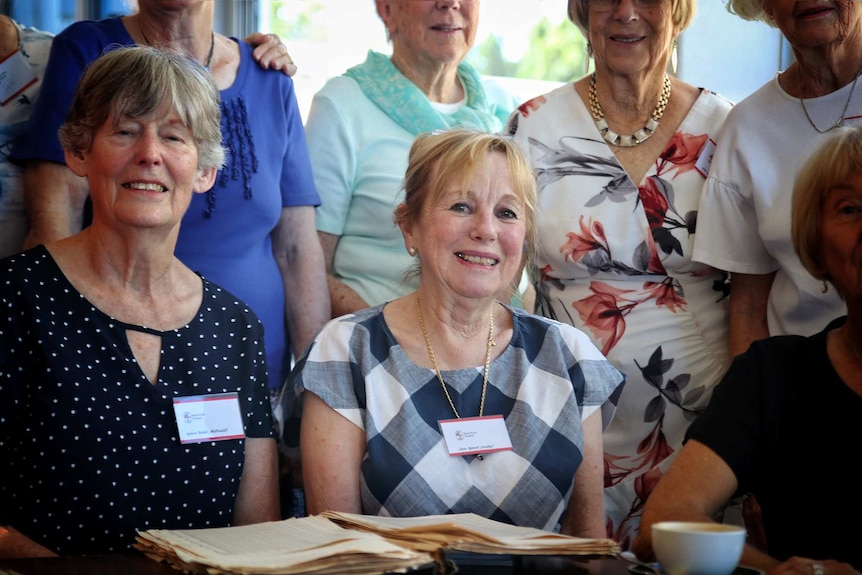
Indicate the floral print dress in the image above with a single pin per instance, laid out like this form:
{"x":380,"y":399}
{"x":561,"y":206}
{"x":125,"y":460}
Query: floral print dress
{"x":614,"y":261}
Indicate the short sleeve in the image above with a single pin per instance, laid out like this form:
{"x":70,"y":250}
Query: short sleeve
{"x":329,"y":371}
{"x":598,"y":384}
{"x":333,"y":162}
{"x":555,"y":350}
{"x":297,"y":179}
{"x":727,"y":235}
{"x":730,"y":426}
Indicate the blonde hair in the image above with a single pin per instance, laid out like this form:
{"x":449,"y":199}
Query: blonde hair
{"x":136,"y":81}
{"x":682,"y":14}
{"x":461,"y":152}
{"x":833,"y":164}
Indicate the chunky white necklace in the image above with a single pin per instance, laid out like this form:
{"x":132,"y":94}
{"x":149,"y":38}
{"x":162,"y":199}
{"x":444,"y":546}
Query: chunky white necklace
{"x":837,"y":123}
{"x":641,"y":135}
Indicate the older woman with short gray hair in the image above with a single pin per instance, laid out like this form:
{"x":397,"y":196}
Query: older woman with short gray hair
{"x":115,"y":352}
{"x":744,"y":223}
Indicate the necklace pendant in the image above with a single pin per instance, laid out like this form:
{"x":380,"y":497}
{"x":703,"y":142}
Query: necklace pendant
{"x":621,"y":140}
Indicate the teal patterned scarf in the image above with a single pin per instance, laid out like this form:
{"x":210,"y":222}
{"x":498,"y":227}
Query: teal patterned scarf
{"x":407,"y":105}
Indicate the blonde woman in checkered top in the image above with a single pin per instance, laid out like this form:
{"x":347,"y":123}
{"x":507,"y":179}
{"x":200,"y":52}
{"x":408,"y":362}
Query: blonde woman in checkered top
{"x":378,"y":383}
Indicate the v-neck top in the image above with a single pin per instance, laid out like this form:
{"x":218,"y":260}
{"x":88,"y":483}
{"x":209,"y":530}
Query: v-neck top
{"x":90,"y":447}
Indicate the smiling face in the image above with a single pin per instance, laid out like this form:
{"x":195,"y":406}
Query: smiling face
{"x":471,"y":238}
{"x":629,"y":37}
{"x":437,"y":31}
{"x":813,"y":23}
{"x":841,"y":237}
{"x":142,"y":171}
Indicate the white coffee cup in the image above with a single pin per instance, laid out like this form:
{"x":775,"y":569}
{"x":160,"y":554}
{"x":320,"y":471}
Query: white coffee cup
{"x":693,"y":548}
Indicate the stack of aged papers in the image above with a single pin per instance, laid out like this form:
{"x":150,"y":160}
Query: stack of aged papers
{"x":352,"y":544}
{"x":469,"y":532}
{"x":305,"y":545}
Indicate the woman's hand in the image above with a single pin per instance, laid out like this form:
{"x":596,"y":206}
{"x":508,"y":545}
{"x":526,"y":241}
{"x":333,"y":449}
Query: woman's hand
{"x":805,"y":566}
{"x":270,"y":53}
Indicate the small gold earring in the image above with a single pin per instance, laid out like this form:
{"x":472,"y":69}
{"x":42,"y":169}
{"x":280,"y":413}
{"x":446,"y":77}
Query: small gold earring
{"x":824,"y":287}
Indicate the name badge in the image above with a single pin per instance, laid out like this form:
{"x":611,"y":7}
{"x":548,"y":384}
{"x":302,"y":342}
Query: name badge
{"x":15,"y":76}
{"x":473,"y":435}
{"x":704,"y":161}
{"x":214,"y":417}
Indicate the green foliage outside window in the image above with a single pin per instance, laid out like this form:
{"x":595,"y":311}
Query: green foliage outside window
{"x":557,"y":51}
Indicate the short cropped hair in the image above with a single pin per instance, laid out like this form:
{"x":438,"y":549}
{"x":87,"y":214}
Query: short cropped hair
{"x":750,"y":10}
{"x":834,"y":163}
{"x":137,"y":81}
{"x":682,"y":14}
{"x":439,"y":159}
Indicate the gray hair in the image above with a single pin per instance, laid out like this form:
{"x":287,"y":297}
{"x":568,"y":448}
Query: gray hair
{"x":750,"y":10}
{"x":136,"y":81}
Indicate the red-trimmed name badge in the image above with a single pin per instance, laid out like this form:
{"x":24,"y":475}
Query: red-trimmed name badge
{"x":475,"y":435}
{"x":214,"y":417}
{"x":15,"y":76}
{"x":704,"y":161}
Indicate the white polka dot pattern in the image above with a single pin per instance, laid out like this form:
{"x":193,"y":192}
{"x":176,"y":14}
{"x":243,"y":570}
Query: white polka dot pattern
{"x":92,"y":447}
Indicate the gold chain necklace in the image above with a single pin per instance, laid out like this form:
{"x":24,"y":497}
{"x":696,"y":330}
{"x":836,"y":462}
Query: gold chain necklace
{"x":641,"y":135}
{"x":491,"y":343}
{"x":837,"y":123}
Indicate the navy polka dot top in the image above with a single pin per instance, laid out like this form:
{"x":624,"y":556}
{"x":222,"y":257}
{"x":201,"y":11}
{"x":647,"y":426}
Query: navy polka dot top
{"x":89,"y":448}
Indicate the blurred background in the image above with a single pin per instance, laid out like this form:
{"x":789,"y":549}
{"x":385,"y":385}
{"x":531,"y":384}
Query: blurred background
{"x":529,"y":46}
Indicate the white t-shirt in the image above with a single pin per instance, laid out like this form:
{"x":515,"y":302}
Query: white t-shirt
{"x":744,"y":217}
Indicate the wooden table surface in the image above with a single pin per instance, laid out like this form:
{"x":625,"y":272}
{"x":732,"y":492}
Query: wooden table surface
{"x":140,"y":565}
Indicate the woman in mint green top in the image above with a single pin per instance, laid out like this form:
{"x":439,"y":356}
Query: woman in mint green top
{"x":359,"y":131}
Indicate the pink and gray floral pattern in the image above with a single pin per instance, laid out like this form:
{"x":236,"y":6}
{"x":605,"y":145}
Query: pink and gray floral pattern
{"x":614,"y":261}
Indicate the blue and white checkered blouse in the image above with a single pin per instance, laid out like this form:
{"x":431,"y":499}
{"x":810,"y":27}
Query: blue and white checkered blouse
{"x":546,"y":382}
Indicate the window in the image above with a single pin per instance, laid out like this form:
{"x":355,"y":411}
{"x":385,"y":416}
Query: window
{"x":529,"y":46}
{"x":326,"y":37}
{"x":54,"y":15}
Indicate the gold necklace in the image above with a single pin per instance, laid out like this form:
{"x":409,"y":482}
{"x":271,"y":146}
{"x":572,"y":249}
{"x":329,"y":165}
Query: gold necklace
{"x":491,"y":343}
{"x":641,"y":135}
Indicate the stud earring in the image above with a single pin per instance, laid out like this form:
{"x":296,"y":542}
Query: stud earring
{"x":412,"y":252}
{"x":824,"y":287}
